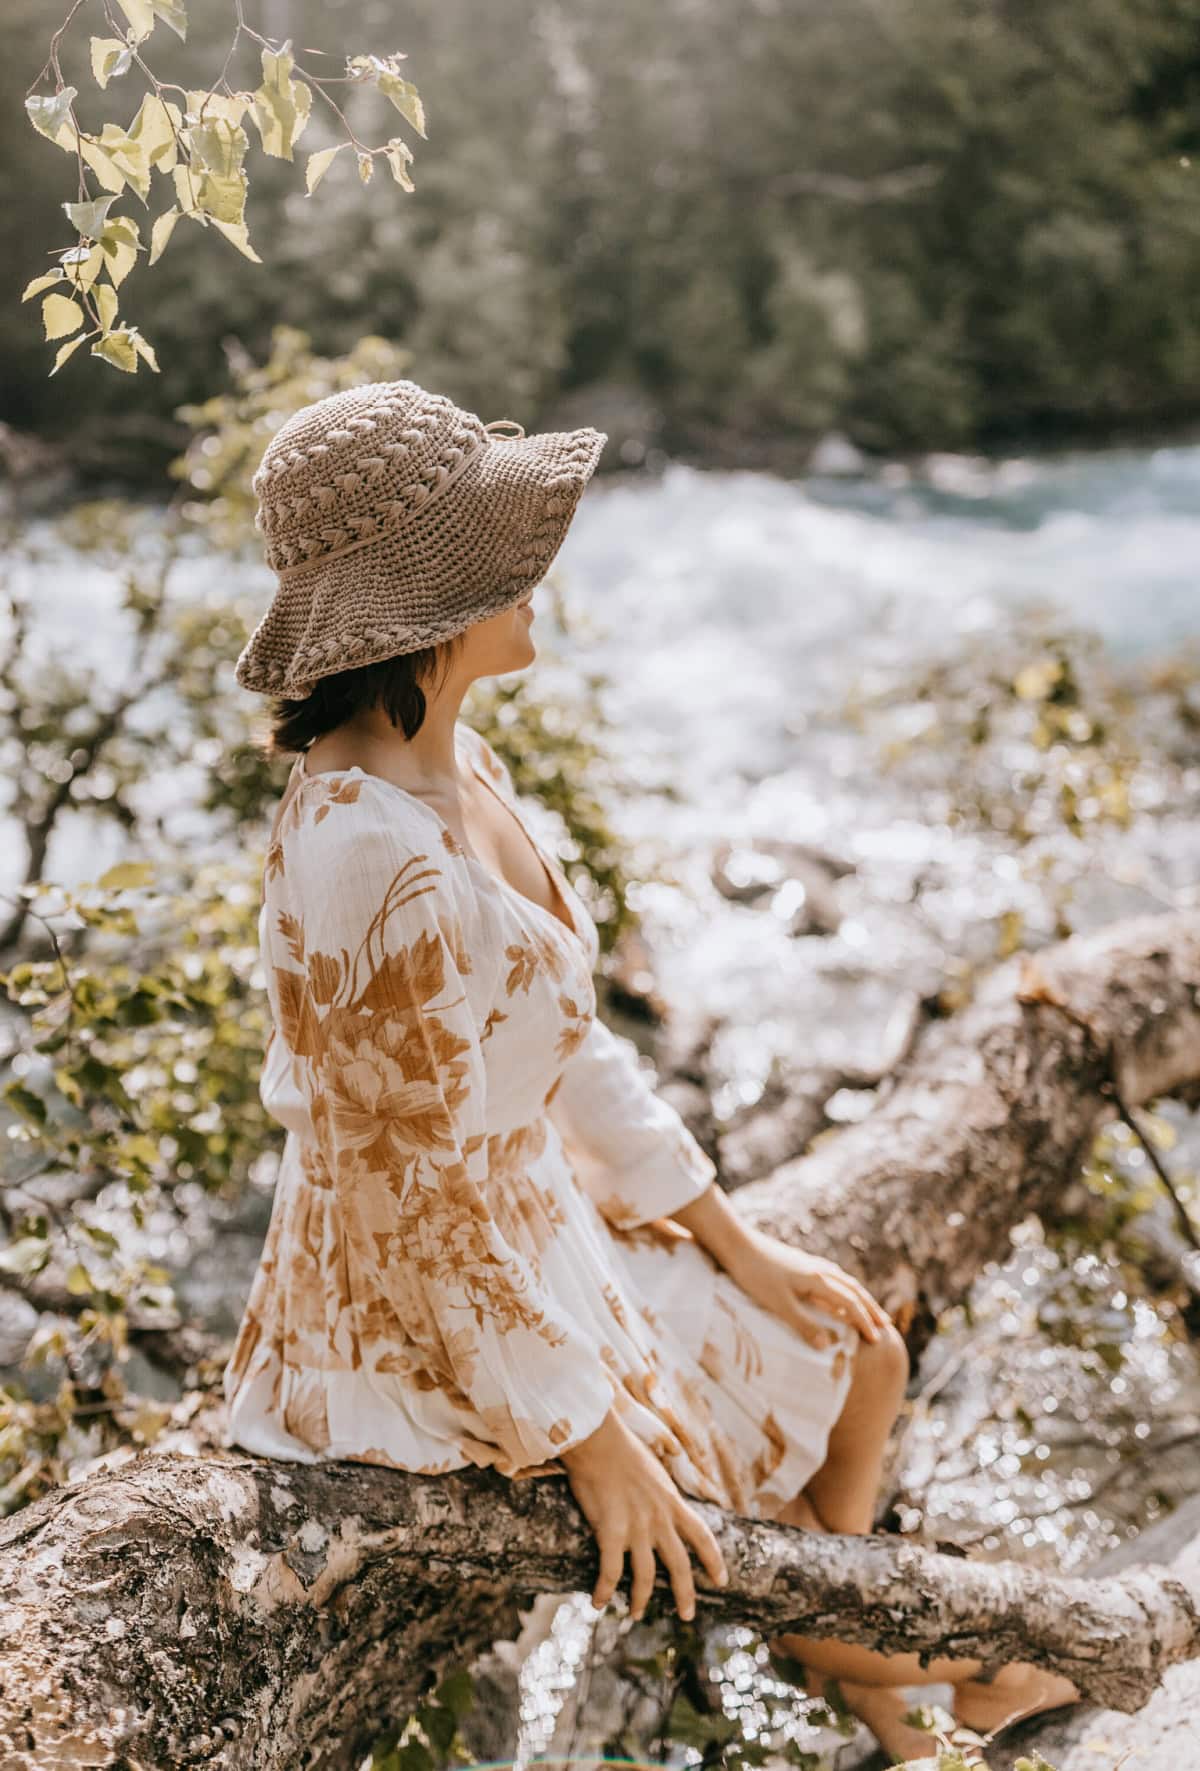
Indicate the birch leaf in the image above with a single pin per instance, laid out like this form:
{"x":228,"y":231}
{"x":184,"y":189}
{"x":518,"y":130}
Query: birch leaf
{"x":103,"y":165}
{"x":88,"y":218}
{"x":281,"y":104}
{"x":161,"y":232}
{"x":82,"y":265}
{"x":65,"y":350}
{"x":366,"y":166}
{"x":140,"y":14}
{"x":239,"y":234}
{"x":144,"y":350}
{"x":205,"y":107}
{"x":119,"y":240}
{"x":110,"y":58}
{"x":117,"y":348}
{"x":319,"y":164}
{"x":106,"y":305}
{"x":51,"y":116}
{"x":154,"y":130}
{"x":61,"y":315}
{"x":40,"y":283}
{"x":172,"y":13}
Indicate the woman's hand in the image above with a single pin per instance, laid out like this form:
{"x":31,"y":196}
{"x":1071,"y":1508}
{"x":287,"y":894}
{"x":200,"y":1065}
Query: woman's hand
{"x":783,"y":1279}
{"x":631,"y":1503}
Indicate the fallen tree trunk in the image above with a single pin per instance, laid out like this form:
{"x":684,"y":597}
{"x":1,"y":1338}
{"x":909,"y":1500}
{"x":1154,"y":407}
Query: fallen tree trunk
{"x":229,"y":1612}
{"x":222,"y":1610}
{"x":996,"y":1110}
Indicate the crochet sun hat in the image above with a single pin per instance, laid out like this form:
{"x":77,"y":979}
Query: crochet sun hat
{"x":392,"y":519}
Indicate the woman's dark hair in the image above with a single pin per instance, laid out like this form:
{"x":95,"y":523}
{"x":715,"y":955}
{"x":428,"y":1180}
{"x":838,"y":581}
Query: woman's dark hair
{"x":393,"y":684}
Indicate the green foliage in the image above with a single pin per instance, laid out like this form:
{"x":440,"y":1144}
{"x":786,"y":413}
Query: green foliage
{"x":429,"y":1739}
{"x":197,"y":148}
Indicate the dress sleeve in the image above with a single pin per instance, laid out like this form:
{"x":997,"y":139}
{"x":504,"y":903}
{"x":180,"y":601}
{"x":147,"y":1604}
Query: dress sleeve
{"x":629,"y":1148}
{"x":380,"y":1017}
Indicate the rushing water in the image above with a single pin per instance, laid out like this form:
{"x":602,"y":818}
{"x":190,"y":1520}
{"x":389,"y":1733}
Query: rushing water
{"x":757,"y":637}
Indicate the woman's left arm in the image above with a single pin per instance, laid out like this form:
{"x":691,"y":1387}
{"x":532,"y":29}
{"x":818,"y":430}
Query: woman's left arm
{"x":777,"y":1275}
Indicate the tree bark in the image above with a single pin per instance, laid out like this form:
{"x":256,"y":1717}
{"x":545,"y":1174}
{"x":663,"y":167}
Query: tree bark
{"x":221,"y":1610}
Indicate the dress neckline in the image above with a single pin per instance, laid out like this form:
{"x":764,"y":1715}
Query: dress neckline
{"x":497,"y":881}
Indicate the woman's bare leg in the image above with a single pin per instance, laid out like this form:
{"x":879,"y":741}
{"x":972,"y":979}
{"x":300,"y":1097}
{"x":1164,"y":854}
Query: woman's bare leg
{"x":841,"y":1497}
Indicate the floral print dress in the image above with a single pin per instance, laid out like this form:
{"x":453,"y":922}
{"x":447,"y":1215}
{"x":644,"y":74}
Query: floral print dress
{"x":470,"y":1257}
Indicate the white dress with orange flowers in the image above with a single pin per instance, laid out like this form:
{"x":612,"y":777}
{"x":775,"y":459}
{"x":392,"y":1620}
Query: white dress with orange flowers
{"x":470,"y":1258}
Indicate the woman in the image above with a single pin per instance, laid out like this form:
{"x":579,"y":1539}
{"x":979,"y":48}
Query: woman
{"x":492,"y":1243}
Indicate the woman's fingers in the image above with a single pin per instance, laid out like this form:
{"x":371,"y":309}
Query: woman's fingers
{"x":641,"y":1556}
{"x":612,"y":1566}
{"x":692,"y":1527}
{"x":845,"y":1300}
{"x":679,"y":1566}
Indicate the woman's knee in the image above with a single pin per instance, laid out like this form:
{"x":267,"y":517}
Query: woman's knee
{"x":882,"y":1367}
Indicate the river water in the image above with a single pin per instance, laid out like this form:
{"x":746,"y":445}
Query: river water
{"x":793,"y":680}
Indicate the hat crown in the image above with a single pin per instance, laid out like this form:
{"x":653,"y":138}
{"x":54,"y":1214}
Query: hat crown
{"x":357,"y":465}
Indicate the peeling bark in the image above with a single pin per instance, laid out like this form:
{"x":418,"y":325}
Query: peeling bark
{"x":222,"y":1610}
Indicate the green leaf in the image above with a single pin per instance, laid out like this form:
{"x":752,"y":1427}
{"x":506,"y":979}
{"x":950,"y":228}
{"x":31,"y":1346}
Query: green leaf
{"x":88,"y":218}
{"x":281,"y":104}
{"x":61,"y":315}
{"x":40,"y":283}
{"x":51,"y":116}
{"x":126,"y":874}
{"x":28,"y":1255}
{"x":110,"y":58}
{"x":67,"y":350}
{"x":161,"y":232}
{"x":457,"y":1691}
{"x":106,"y":305}
{"x":319,"y":164}
{"x":117,"y":348}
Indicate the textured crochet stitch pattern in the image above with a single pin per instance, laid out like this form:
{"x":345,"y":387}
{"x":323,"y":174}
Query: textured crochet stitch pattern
{"x":372,"y":559}
{"x":353,"y":484}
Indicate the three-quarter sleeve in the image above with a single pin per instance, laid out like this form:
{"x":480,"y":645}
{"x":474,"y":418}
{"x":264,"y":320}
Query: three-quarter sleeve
{"x":388,"y":1046}
{"x":629,"y":1148}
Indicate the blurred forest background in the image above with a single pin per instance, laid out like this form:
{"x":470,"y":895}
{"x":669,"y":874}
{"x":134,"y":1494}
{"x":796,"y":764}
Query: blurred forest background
{"x":928,"y":223}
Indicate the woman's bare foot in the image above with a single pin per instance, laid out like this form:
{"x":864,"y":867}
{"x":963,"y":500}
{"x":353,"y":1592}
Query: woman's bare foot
{"x":883,"y":1709}
{"x":1018,"y":1690}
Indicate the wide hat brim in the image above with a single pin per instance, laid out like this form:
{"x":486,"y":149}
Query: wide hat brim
{"x":475,"y":549}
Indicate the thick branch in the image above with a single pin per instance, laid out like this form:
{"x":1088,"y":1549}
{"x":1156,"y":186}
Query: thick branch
{"x":994,"y":1114}
{"x":297,"y":1607}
